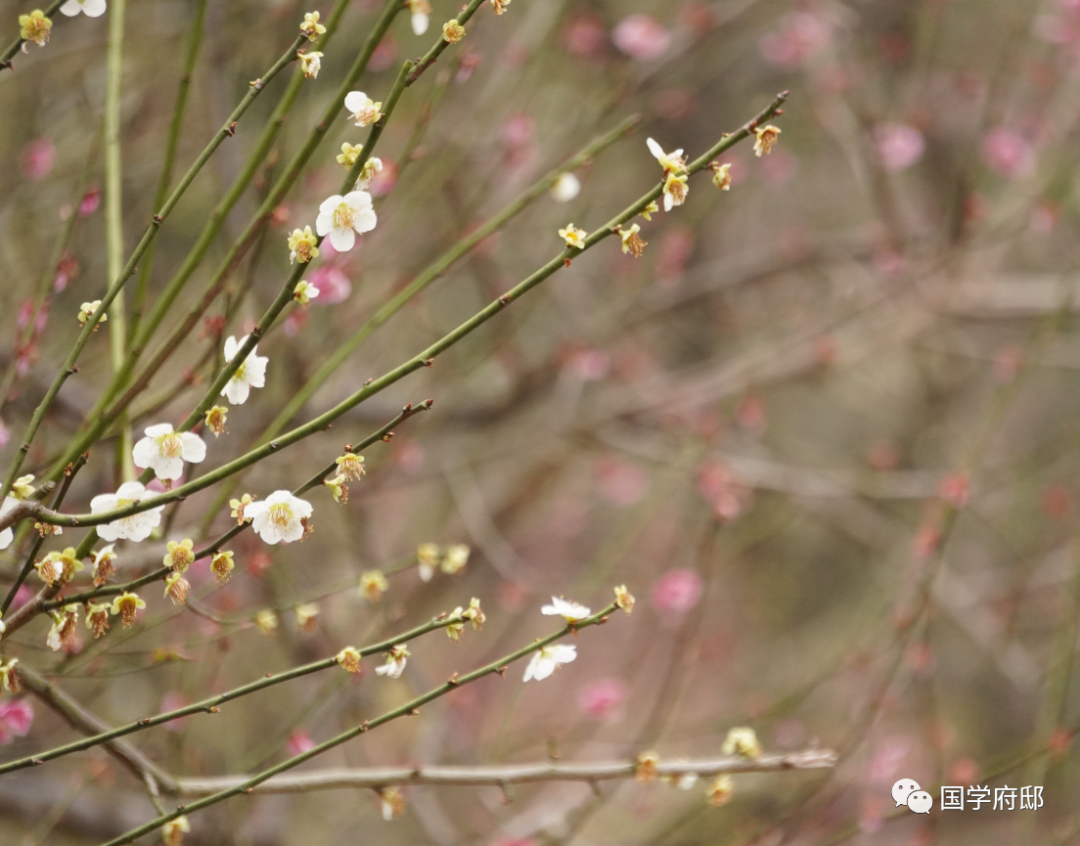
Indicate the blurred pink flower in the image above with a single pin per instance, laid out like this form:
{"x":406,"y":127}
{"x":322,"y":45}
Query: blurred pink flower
{"x":334,"y":286}
{"x":470,"y":61}
{"x":296,"y":321}
{"x":384,"y":55}
{"x":1043,"y":219}
{"x":899,"y":146}
{"x":589,"y":365}
{"x":38,"y":158}
{"x":66,"y":271}
{"x":1008,"y":153}
{"x":955,"y":489}
{"x":518,"y":130}
{"x":585,"y":36}
{"x":750,"y":415}
{"x":621,"y":482}
{"x":602,"y":698}
{"x":410,"y":456}
{"x":171,"y":701}
{"x":676,"y":247}
{"x":719,"y":486}
{"x":16,"y":717}
{"x":885,"y":760}
{"x":641,"y":37}
{"x":384,"y":181}
{"x":780,"y":166}
{"x":677,"y":591}
{"x":299,"y":742}
{"x":800,"y":36}
{"x":90,"y":201}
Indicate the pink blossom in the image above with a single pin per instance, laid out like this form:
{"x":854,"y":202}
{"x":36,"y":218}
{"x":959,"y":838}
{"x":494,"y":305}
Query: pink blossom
{"x":677,"y":591}
{"x":1008,"y":153}
{"x":720,"y":487}
{"x":955,"y":489}
{"x":38,"y":158}
{"x":885,"y":760}
{"x":334,"y":286}
{"x":601,"y":699}
{"x":800,"y":36}
{"x":519,"y":130}
{"x":675,"y":248}
{"x":471,"y":59}
{"x":621,"y":482}
{"x":410,"y":456}
{"x":90,"y":201}
{"x":384,"y":55}
{"x":899,"y":146}
{"x":26,"y":309}
{"x":585,"y":36}
{"x":296,"y":322}
{"x":750,"y":415}
{"x":299,"y":742}
{"x":641,"y":37}
{"x":16,"y":717}
{"x":589,"y":365}
{"x":384,"y":181}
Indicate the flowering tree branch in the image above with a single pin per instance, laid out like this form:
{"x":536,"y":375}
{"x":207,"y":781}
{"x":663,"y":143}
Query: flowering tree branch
{"x":16,"y":45}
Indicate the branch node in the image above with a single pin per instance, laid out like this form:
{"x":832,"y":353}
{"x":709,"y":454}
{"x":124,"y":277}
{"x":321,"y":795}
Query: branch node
{"x":428,"y":362}
{"x":231,"y":131}
{"x":566,"y":262}
{"x":502,"y":672}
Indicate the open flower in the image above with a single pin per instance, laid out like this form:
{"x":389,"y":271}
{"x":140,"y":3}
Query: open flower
{"x":721,"y":175}
{"x":649,"y":210}
{"x":97,"y":618}
{"x":572,"y":612}
{"x":427,"y":559}
{"x":391,"y":803}
{"x":720,"y":790}
{"x":573,"y":236}
{"x":373,"y":585}
{"x":349,"y":659}
{"x":172,"y":833}
{"x":135,"y":527}
{"x":215,"y":419}
{"x":743,"y":742}
{"x":35,"y":27}
{"x":455,"y":558}
{"x":307,"y":616}
{"x":671,"y":162}
{"x":266,"y":621}
{"x":338,"y":489}
{"x":86,"y":311}
{"x":103,"y":565}
{"x":765,"y":139}
{"x":58,"y":567}
{"x":349,"y":154}
{"x":311,"y":26}
{"x":23,"y":487}
{"x":239,"y":508}
{"x":632,"y":242}
{"x":90,"y":8}
{"x":304,"y":292}
{"x":179,"y":556}
{"x":302,"y":245}
{"x":340,"y":218}
{"x":62,"y":634}
{"x":499,"y":6}
{"x":624,"y":599}
{"x":420,"y":10}
{"x":9,"y":679}
{"x":371,"y":167}
{"x":176,"y":588}
{"x":548,"y":659}
{"x":250,"y":374}
{"x":452,"y":31}
{"x":362,"y":109}
{"x":396,"y":659}
{"x":350,"y":465}
{"x":164,"y":450}
{"x":127,"y":605}
{"x":675,"y":190}
{"x":310,"y":63}
{"x":281,"y":517}
{"x":221,"y":565}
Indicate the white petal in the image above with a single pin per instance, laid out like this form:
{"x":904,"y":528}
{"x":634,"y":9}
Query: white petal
{"x":562,"y":653}
{"x":131,"y":490}
{"x":293,"y":532}
{"x":301,"y":508}
{"x":324,"y":223}
{"x":365,"y":221}
{"x":237,"y":391}
{"x":94,"y":8}
{"x":419,"y":23}
{"x":655,"y":148}
{"x":384,"y":669}
{"x":328,"y":205}
{"x":71,"y":8}
{"x":168,"y":469}
{"x":342,"y":239}
{"x":255,"y":371}
{"x":194,"y":448}
{"x":354,"y":102}
{"x":230,"y":348}
{"x":103,"y":502}
{"x":357,"y":200}
{"x":108,"y":532}
{"x":144,"y":453}
{"x":669,"y":201}
{"x":136,"y":530}
{"x":6,"y":537}
{"x":158,"y":430}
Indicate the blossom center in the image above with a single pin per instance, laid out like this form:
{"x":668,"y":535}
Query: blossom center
{"x":344,"y":217}
{"x":170,"y":445}
{"x":280,"y":514}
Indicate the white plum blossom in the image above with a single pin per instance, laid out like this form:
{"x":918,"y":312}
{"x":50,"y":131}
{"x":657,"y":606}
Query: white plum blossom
{"x":548,"y":659}
{"x":90,"y":8}
{"x":671,"y":162}
{"x":135,"y":527}
{"x":165,"y":450}
{"x":566,"y":187}
{"x":250,"y":374}
{"x":7,"y":536}
{"x":420,"y":10}
{"x":279,"y":518}
{"x":396,"y":659}
{"x":340,"y":218}
{"x":362,"y":109}
{"x":572,"y":612}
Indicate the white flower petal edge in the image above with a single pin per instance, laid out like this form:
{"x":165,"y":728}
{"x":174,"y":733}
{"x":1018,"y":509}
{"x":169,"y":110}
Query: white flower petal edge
{"x":250,"y":374}
{"x":8,"y":535}
{"x":545,"y":662}
{"x":136,"y":527}
{"x":165,"y":450}
{"x":419,"y":23}
{"x":571,"y":611}
{"x":90,"y":8}
{"x":279,"y":518}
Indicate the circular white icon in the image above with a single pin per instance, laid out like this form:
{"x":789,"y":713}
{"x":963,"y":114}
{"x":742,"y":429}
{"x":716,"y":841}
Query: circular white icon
{"x":903,"y":789}
{"x":920,"y":801}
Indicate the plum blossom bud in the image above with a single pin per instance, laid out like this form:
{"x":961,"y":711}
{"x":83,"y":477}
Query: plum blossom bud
{"x":499,"y":6}
{"x":349,"y":154}
{"x":338,"y":489}
{"x":97,"y":618}
{"x":349,"y":659}
{"x":373,"y":585}
{"x":455,"y":558}
{"x":127,"y":605}
{"x":222,"y":566}
{"x":454,"y":630}
{"x":766,"y":137}
{"x":86,"y":311}
{"x":179,"y":555}
{"x":9,"y":679}
{"x":103,"y":565}
{"x":566,"y":187}
{"x":302,"y":245}
{"x":215,"y":419}
{"x":650,"y":210}
{"x":427,"y":557}
{"x":721,"y":175}
{"x":266,"y":621}
{"x":624,"y":599}
{"x":351,"y":466}
{"x":475,"y":614}
{"x":304,"y":292}
{"x":176,"y":588}
{"x":632,"y":242}
{"x":452,"y":31}
{"x":391,"y":802}
{"x":174,"y":830}
{"x":311,"y":27}
{"x":307,"y":616}
{"x":396,"y":659}
{"x":573,"y":236}
{"x":720,"y":790}
{"x":645,"y":767}
{"x":239,"y":506}
{"x":310,"y":63}
{"x":743,"y":742}
{"x":35,"y":27}
{"x":420,"y":10}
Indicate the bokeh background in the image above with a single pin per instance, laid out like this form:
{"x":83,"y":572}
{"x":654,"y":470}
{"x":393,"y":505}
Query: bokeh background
{"x":824,"y":429}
